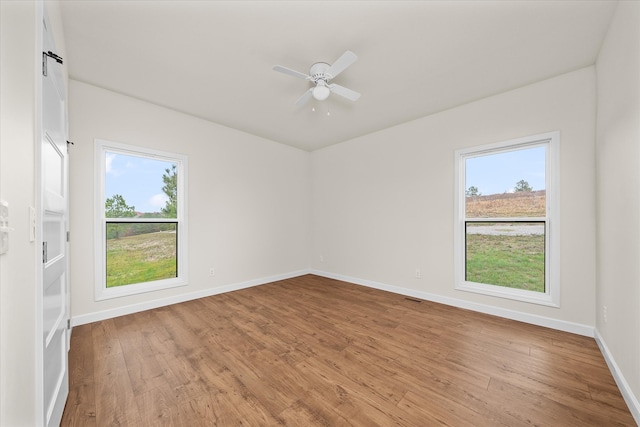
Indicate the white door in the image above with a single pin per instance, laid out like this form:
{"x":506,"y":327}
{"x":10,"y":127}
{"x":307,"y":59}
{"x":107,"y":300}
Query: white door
{"x":53,"y":169}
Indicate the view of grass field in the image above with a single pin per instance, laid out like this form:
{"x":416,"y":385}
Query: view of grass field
{"x":506,"y":254}
{"x":509,"y":261}
{"x":141,"y":258}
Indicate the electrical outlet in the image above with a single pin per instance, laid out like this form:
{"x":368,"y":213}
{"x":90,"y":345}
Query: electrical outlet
{"x":212,"y":271}
{"x":418,"y":274}
{"x":604,"y":313}
{"x":321,"y":258}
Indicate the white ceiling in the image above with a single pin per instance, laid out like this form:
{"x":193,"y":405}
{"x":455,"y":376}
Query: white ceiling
{"x":214,"y":59}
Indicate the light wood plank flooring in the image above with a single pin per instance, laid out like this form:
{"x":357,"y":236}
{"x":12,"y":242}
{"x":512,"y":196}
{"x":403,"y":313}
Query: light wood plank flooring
{"x":312,"y":351}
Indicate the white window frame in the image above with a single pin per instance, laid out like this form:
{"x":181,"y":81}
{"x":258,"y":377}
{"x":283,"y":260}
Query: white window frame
{"x":101,"y":290}
{"x":551,"y":296}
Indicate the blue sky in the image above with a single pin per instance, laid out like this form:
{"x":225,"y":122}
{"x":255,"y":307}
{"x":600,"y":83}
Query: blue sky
{"x":499,"y":173}
{"x":137,"y":179}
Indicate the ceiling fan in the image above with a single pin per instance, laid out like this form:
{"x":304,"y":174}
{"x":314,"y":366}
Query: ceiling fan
{"x":321,"y":74}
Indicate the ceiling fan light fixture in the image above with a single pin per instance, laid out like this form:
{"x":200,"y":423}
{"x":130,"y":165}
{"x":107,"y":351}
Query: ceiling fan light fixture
{"x":321,"y":92}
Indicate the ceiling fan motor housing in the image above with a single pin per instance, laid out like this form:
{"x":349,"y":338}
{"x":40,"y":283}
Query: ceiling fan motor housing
{"x":318,"y":71}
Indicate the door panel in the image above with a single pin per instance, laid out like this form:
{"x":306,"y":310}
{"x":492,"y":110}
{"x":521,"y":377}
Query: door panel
{"x":54,"y":295}
{"x":56,"y":381}
{"x":53,"y":167}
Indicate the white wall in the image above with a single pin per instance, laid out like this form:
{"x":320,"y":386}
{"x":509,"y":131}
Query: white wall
{"x":248,"y":198}
{"x":618,"y":182}
{"x":383,"y":204}
{"x":17,"y":293}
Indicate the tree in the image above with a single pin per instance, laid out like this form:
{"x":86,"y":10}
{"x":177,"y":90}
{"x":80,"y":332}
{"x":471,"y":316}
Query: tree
{"x":116,"y":207}
{"x":170,"y":188}
{"x":472,"y":191}
{"x":522,"y":185}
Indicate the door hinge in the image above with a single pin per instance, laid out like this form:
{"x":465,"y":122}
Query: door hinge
{"x":44,"y":252}
{"x":68,"y":323}
{"x":46,"y":55}
{"x":68,"y":235}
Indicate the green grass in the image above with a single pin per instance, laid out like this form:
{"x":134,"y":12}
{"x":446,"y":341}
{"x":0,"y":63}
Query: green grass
{"x":509,"y":261}
{"x":141,"y":258}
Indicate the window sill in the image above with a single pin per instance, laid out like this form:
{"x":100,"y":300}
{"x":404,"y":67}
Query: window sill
{"x":509,"y":293}
{"x":139,"y":288}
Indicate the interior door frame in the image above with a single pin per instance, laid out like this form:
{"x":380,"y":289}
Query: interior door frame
{"x":40,"y":410}
{"x":39,"y":128}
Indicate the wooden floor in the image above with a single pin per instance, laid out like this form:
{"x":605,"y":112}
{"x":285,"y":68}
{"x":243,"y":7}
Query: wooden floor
{"x":312,"y":351}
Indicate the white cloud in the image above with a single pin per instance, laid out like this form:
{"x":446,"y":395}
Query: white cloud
{"x":158,"y":200}
{"x":108,"y":167}
{"x":109,"y":160}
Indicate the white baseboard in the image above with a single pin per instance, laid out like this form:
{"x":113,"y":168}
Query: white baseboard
{"x":561,"y":325}
{"x":623,"y":385}
{"x":162,"y":302}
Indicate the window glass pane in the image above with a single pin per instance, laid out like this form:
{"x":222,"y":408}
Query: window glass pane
{"x":140,"y":252}
{"x":509,"y":254}
{"x":506,"y":184}
{"x":139,"y":187}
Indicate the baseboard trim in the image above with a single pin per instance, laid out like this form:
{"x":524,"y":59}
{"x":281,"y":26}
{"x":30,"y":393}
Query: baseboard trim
{"x":623,"y":385}
{"x":162,"y":302}
{"x":561,"y":325}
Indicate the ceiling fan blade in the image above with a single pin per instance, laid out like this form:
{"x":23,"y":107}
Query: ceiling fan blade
{"x":291,"y":72}
{"x":342,"y":63}
{"x":351,"y":95}
{"x":304,"y":98}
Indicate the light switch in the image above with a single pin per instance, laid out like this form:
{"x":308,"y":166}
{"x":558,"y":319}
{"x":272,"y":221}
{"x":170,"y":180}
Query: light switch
{"x":4,"y":227}
{"x":4,"y":212}
{"x":32,"y":224}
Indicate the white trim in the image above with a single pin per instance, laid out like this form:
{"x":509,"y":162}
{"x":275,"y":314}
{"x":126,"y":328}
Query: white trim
{"x":101,"y":291}
{"x":162,"y":302}
{"x":618,"y":376}
{"x":39,"y":402}
{"x":547,"y":322}
{"x":551,"y":296}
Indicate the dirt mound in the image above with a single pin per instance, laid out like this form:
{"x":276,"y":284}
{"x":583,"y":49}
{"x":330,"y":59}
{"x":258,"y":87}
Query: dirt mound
{"x":519,"y":204}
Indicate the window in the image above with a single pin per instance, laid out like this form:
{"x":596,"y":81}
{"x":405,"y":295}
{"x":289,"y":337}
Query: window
{"x":140,"y":220}
{"x":506,"y":229}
